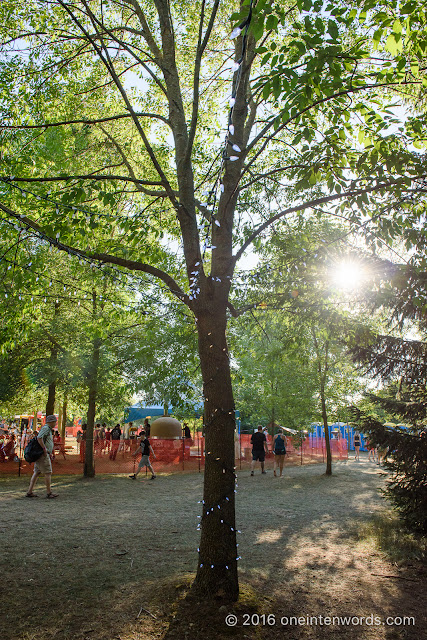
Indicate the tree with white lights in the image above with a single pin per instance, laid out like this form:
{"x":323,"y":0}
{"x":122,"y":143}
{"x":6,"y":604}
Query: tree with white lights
{"x":128,"y":122}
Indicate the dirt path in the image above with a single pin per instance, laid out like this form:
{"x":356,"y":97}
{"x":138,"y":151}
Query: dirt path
{"x":105,"y":559}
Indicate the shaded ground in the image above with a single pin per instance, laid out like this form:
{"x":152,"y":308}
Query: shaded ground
{"x":112,"y":558}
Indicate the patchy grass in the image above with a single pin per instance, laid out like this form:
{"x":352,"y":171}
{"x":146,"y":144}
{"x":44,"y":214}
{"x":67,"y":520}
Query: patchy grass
{"x":402,"y":547}
{"x":194,"y":619}
{"x":113,"y":559}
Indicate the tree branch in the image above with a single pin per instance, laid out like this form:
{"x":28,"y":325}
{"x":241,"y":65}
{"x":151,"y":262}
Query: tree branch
{"x":129,"y":167}
{"x":309,"y":205}
{"x":201,"y":46}
{"x":93,"y":177}
{"x":110,"y":68}
{"x":47,"y":125}
{"x":305,"y":110}
{"x":126,"y":47}
{"x":132,"y":265}
{"x":269,"y":173}
{"x":147,"y":35}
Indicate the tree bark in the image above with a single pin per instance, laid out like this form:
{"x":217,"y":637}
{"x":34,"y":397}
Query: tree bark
{"x":323,"y":371}
{"x":89,"y":464}
{"x":92,"y":381}
{"x":326,"y":428}
{"x":217,"y":568}
{"x":51,"y":394}
{"x":64,"y":416}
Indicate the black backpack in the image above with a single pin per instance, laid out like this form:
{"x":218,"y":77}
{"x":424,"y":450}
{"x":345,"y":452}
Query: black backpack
{"x":33,"y":451}
{"x":279,"y":444}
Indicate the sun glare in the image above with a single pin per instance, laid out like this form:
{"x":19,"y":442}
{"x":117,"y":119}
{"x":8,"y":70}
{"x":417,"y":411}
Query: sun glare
{"x":347,"y":275}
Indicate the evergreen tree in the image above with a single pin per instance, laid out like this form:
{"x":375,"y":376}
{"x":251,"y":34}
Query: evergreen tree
{"x":402,"y":363}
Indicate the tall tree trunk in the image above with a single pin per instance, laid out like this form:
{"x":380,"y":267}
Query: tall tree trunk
{"x":326,"y":428}
{"x":92,"y":382}
{"x":64,"y":416}
{"x":323,"y":373}
{"x":217,"y":568}
{"x":51,"y":395}
{"x":59,"y":423}
{"x":89,"y":465}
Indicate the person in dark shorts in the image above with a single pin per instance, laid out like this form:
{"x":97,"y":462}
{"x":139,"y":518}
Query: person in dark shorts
{"x":259,"y":449}
{"x":145,"y":448}
{"x":356,"y":443}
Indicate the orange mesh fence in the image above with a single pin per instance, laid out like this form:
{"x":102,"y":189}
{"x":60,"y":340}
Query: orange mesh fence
{"x":312,"y":449}
{"x":172,"y":456}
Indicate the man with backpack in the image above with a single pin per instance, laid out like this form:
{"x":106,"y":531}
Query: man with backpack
{"x":279,"y":450}
{"x":44,"y":463}
{"x":115,"y":441}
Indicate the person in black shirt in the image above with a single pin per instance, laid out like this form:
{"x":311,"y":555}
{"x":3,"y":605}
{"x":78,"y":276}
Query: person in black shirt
{"x":357,"y":442}
{"x":259,"y":449}
{"x":145,"y":448}
{"x":115,"y":441}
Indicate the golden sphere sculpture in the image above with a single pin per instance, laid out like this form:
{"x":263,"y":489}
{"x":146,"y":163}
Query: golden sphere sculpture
{"x":166,"y":428}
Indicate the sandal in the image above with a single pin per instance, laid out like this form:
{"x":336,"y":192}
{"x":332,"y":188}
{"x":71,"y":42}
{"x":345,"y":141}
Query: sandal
{"x":52,"y":495}
{"x":31,"y":495}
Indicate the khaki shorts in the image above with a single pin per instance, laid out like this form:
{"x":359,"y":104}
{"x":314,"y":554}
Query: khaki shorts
{"x":144,"y":462}
{"x":43,"y":464}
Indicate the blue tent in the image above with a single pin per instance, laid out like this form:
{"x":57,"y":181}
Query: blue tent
{"x":345,"y":430}
{"x":140,"y":411}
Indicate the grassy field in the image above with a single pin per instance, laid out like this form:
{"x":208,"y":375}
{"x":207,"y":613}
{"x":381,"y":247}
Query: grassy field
{"x":113,"y":559}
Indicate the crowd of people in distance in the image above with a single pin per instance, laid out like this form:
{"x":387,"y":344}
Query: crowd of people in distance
{"x":110,"y":441}
{"x":260,"y":449}
{"x":7,"y":446}
{"x":106,"y":440}
{"x":375,"y":454}
{"x":13,"y":439}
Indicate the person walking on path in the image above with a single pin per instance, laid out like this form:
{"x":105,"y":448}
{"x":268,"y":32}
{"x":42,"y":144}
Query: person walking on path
{"x":44,"y":463}
{"x":107,"y":438}
{"x":145,"y":448}
{"x":102,"y":438}
{"x":371,"y":451}
{"x":115,"y":441}
{"x":259,"y":449}
{"x":356,"y":444}
{"x":83,"y":443}
{"x":279,"y":450}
